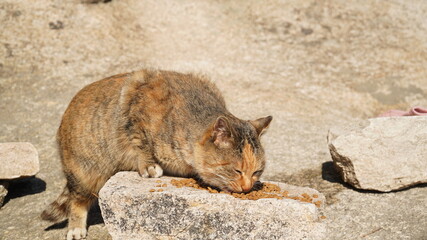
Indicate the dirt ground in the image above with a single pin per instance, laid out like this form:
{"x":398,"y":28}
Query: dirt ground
{"x":311,"y":64}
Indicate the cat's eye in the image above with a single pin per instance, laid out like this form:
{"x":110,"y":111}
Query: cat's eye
{"x":257,"y":172}
{"x":238,"y":171}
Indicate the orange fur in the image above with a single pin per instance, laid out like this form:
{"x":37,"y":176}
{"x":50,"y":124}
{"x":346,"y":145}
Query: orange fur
{"x":249,"y":162}
{"x":134,"y":121}
{"x":249,"y":165}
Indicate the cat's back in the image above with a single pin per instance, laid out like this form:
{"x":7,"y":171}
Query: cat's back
{"x":95,"y":94}
{"x":167,"y":97}
{"x":195,"y":97}
{"x":187,"y":94}
{"x":90,"y":112}
{"x":190,"y":87}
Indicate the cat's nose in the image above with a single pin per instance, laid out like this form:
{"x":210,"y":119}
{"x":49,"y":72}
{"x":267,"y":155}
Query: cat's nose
{"x":246,"y":186}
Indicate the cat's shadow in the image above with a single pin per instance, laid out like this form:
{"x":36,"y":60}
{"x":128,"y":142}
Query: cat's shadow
{"x":94,"y":218}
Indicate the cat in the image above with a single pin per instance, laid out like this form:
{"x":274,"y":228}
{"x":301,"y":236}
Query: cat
{"x":153,"y":122}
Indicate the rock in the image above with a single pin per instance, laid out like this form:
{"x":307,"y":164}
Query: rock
{"x":131,"y":211}
{"x":3,"y":192}
{"x":382,"y":154}
{"x":17,"y":160}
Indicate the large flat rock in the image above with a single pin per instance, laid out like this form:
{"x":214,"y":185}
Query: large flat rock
{"x":17,"y":160}
{"x":382,"y":154}
{"x":134,"y":208}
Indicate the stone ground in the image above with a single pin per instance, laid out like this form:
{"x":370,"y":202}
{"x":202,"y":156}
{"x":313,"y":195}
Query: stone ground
{"x":311,"y":64}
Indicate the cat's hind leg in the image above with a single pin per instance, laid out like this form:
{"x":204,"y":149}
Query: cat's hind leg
{"x":79,"y":208}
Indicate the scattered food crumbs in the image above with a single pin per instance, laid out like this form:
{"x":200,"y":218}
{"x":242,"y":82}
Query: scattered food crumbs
{"x":305,"y":195}
{"x":158,"y":185}
{"x":212,"y":190}
{"x":187,"y":182}
{"x":318,"y":203}
{"x":323,"y":217}
{"x":164,"y":185}
{"x":152,"y":190}
{"x":268,"y":190}
{"x":315,"y":196}
{"x":158,"y":181}
{"x":160,"y":190}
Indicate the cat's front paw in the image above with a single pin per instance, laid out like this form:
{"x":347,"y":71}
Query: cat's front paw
{"x":152,"y":171}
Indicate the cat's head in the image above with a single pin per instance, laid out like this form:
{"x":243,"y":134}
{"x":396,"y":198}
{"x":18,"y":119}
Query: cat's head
{"x":230,"y":156}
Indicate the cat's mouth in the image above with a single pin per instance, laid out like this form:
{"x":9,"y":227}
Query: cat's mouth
{"x":234,"y":188}
{"x":230,"y":187}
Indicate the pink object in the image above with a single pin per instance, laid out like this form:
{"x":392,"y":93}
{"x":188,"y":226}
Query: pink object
{"x":415,"y":111}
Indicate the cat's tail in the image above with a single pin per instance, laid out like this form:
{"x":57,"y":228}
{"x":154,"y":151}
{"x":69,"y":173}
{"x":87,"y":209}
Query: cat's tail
{"x":58,"y":210}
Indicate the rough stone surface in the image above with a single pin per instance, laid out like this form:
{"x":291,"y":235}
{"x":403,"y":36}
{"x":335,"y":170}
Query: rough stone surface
{"x":131,"y":211}
{"x":3,"y":192}
{"x":382,"y":154}
{"x":17,"y":160}
{"x":358,"y":60}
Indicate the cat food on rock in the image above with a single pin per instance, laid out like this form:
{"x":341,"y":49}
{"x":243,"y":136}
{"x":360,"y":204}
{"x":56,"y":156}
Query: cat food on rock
{"x":268,"y":190}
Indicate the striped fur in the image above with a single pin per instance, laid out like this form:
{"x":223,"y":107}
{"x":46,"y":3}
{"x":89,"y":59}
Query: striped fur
{"x":59,"y":209}
{"x":147,"y":120}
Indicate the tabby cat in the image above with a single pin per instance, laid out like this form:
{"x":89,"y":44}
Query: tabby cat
{"x":152,"y":122}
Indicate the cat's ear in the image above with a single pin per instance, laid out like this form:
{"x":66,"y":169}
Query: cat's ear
{"x":261,"y":124}
{"x":221,"y":134}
